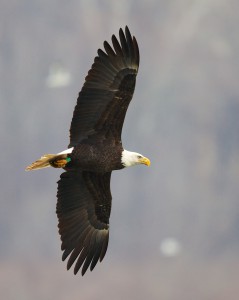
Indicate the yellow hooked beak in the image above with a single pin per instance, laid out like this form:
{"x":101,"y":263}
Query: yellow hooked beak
{"x":145,"y":161}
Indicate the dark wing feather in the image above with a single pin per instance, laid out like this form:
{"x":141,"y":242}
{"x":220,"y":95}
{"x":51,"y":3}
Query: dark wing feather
{"x":83,"y":210}
{"x":107,"y":91}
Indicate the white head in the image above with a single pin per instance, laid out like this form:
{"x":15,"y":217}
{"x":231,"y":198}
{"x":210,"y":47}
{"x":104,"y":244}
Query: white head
{"x":129,"y":159}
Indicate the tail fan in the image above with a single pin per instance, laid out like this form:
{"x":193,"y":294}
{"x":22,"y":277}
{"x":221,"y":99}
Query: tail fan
{"x":58,"y":160}
{"x":41,"y":163}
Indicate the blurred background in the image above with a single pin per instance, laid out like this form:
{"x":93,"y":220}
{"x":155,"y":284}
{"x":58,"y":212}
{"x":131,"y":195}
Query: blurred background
{"x":174,"y":226}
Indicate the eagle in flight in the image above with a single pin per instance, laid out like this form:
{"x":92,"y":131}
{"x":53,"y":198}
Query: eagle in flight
{"x":95,"y":150}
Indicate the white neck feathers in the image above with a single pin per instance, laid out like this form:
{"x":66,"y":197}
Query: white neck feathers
{"x":129,"y":158}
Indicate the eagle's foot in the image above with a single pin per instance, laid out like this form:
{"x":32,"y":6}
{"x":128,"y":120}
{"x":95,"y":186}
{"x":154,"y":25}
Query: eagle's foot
{"x":60,"y":162}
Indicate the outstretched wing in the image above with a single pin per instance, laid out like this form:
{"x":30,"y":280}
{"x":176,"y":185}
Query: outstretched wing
{"x":107,"y":91}
{"x":83,"y":210}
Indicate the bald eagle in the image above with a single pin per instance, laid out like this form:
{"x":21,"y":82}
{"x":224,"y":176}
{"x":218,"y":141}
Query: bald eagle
{"x":95,"y":150}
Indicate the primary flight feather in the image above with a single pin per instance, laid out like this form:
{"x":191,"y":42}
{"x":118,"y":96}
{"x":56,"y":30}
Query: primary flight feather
{"x":95,"y":150}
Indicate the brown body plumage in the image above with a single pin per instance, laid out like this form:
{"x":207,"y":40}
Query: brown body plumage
{"x":101,"y":157}
{"x":95,"y":150}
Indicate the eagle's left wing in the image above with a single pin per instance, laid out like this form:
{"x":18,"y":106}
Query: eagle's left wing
{"x":83,"y":210}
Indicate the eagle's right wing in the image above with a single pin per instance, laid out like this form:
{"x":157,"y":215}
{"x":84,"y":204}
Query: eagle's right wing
{"x":107,"y":91}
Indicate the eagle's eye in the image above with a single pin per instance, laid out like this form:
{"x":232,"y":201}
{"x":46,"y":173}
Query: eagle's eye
{"x":139,"y":156}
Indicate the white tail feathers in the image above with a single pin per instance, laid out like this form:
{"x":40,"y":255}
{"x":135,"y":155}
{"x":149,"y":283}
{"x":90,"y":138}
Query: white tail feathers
{"x":58,"y":160}
{"x":41,"y":163}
